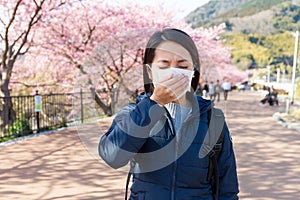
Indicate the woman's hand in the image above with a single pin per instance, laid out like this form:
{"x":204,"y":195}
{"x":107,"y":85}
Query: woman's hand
{"x":169,"y":89}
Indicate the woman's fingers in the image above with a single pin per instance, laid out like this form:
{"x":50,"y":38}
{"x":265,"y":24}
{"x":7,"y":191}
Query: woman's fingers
{"x":180,"y":88}
{"x":174,"y":80}
{"x":170,"y":89}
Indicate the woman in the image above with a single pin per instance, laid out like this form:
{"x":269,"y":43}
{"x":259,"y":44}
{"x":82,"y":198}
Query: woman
{"x":162,"y":134}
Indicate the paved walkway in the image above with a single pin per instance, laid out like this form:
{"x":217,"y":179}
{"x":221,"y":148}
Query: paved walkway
{"x":267,"y":153}
{"x":63,"y":165}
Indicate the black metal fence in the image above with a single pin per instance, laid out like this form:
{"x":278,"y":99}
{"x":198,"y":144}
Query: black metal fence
{"x":37,"y":113}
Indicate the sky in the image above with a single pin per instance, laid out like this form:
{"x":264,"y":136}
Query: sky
{"x":183,"y":7}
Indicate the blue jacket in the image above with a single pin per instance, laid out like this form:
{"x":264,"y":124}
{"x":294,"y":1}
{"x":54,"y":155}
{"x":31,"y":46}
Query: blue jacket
{"x":165,"y":164}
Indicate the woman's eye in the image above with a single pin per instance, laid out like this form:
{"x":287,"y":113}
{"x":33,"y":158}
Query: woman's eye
{"x":163,"y":67}
{"x":183,"y":67}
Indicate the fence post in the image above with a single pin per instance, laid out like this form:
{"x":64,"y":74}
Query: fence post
{"x":287,"y":106}
{"x":37,"y":108}
{"x":81,"y":106}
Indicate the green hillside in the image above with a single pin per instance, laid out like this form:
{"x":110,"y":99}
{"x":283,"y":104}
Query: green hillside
{"x":257,"y":51}
{"x":212,"y":10}
{"x":287,"y":18}
{"x":251,"y":7}
{"x":260,"y":32}
{"x":276,"y":14}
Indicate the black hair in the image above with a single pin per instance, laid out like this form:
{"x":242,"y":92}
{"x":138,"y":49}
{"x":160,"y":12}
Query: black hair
{"x":179,"y":37}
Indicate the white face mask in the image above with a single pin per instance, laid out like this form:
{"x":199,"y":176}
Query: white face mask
{"x":161,"y":74}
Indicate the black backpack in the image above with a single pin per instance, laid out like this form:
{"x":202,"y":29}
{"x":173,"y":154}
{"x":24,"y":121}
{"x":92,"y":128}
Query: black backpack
{"x":212,"y":146}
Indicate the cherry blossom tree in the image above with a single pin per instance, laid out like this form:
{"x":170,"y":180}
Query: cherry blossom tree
{"x":113,"y":37}
{"x":37,"y":71}
{"x":19,"y":19}
{"x":99,"y":47}
{"x":115,"y":69}
{"x":215,"y":58}
{"x":115,"y":61}
{"x":75,"y":32}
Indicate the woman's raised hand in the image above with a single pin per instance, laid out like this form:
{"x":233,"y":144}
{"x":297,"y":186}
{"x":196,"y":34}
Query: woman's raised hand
{"x":169,"y":89}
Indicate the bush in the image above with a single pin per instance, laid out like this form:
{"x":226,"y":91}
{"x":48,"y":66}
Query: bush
{"x":19,"y":126}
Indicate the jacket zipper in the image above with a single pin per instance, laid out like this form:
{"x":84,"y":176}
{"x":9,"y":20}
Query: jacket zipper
{"x":172,"y":129}
{"x":173,"y":132}
{"x":173,"y":181}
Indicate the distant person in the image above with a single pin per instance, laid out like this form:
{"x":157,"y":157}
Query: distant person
{"x":205,"y":94}
{"x":267,"y":98}
{"x":271,"y":97}
{"x":211,"y":90}
{"x":226,"y":88}
{"x":218,"y":90}
{"x":205,"y":87}
{"x":274,"y":95}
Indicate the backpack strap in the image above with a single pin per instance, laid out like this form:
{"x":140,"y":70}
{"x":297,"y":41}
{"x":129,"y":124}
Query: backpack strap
{"x":213,"y":173}
{"x":127,"y":184}
{"x":132,"y":164}
{"x":216,"y":122}
{"x":212,"y":146}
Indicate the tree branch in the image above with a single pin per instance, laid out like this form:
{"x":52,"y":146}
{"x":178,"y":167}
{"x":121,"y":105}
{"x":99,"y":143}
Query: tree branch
{"x":90,"y":33}
{"x":135,"y":60}
{"x":33,"y":85}
{"x":6,"y":44}
{"x":2,"y":22}
{"x":34,"y":19}
{"x":106,"y":82}
{"x":113,"y":60}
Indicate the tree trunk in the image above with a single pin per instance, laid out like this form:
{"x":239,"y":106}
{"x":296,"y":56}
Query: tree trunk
{"x":107,"y":109}
{"x":8,"y":115}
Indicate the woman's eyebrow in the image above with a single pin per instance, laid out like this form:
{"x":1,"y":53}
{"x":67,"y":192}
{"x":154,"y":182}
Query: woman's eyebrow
{"x":163,"y":60}
{"x":166,"y":60}
{"x":182,"y":60}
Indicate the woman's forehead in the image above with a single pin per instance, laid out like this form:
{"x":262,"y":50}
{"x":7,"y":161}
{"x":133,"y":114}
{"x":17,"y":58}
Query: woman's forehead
{"x":172,"y":48}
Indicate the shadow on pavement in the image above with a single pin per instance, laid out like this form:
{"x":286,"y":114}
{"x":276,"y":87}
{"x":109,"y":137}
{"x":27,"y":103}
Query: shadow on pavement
{"x":267,"y":153}
{"x":56,"y":166}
